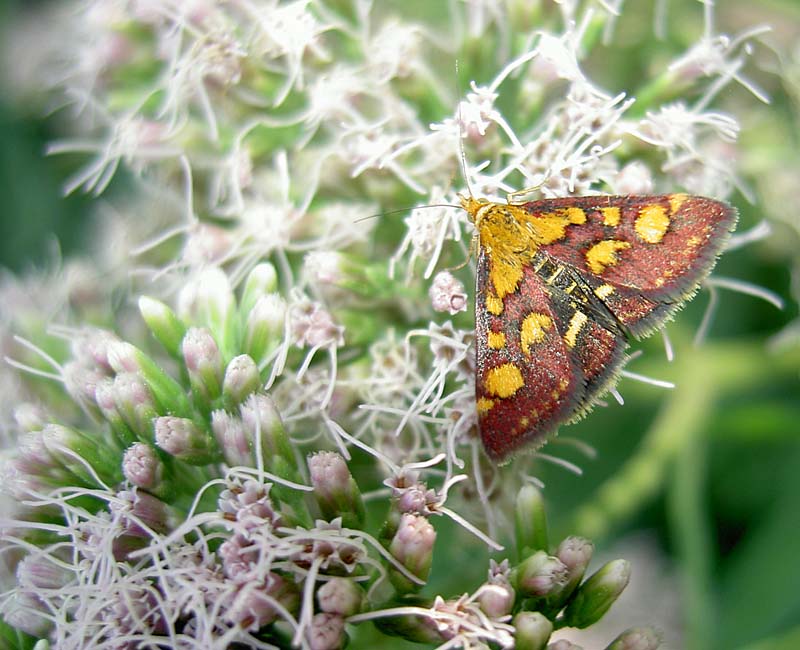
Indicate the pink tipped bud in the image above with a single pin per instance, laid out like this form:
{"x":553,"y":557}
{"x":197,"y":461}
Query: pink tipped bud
{"x":232,"y":438}
{"x":326,"y":632}
{"x":412,"y":544}
{"x":335,"y":488}
{"x":447,"y":294}
{"x":241,"y":380}
{"x":340,"y":596}
{"x":540,"y":575}
{"x":142,"y":466}
{"x":181,"y":438}
{"x":134,"y":404}
{"x":203,"y":363}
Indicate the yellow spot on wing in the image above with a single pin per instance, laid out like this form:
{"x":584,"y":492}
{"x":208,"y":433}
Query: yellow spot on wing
{"x":676,"y":200}
{"x":604,"y":253}
{"x":496,"y":340}
{"x":534,"y":329}
{"x":577,"y":321}
{"x":652,"y":223}
{"x":494,"y":305}
{"x":604,"y":291}
{"x":575,"y":215}
{"x":610,"y":216}
{"x":485,"y":405}
{"x":503,"y":381}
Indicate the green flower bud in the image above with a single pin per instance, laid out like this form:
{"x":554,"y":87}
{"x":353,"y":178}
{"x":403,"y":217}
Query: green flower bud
{"x":595,"y":596}
{"x":335,"y":488}
{"x":637,"y":638}
{"x":264,"y":326}
{"x":262,"y":280}
{"x":530,"y":521}
{"x":79,"y":454}
{"x":209,"y":302}
{"x":168,"y":329}
{"x":531,"y":631}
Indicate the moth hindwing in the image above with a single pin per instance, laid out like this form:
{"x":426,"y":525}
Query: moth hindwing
{"x":562,"y":284}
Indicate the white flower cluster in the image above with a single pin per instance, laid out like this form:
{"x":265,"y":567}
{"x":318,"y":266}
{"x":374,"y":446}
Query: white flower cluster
{"x":270,"y":131}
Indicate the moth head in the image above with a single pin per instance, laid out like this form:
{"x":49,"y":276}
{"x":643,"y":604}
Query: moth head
{"x":473,"y":207}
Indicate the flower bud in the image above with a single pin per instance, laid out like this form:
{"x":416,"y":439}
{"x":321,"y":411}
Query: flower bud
{"x":42,"y":571}
{"x":260,"y":418}
{"x":563,"y":644}
{"x":142,"y":512}
{"x":142,"y":467}
{"x":253,"y":603}
{"x":134,"y":404}
{"x":531,"y":631}
{"x":594,"y":597}
{"x":203,"y":363}
{"x":264,"y":326}
{"x":168,"y":329}
{"x":540,"y":575}
{"x":208,"y":301}
{"x":260,"y":281}
{"x":182,"y":438}
{"x":326,"y":632}
{"x":340,"y":596}
{"x":412,"y":546}
{"x":241,"y":380}
{"x":637,"y":638}
{"x":575,"y":553}
{"x":105,"y":398}
{"x":447,"y":293}
{"x":81,"y":455}
{"x":530,"y":521}
{"x":231,"y":437}
{"x":335,"y":488}
{"x":168,"y":395}
{"x":30,"y":417}
{"x":496,"y":600}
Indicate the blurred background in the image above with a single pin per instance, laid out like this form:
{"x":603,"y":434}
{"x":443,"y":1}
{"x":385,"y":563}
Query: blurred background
{"x":698,"y":486}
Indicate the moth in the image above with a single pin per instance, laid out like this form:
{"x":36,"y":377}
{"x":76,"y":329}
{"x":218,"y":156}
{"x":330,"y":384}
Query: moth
{"x":562,"y":285}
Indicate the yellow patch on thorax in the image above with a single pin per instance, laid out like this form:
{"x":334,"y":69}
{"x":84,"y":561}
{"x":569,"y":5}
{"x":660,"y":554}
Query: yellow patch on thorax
{"x":534,"y":329}
{"x":604,"y":254}
{"x":503,"y":381}
{"x":496,"y":340}
{"x":511,"y":235}
{"x":652,"y":223}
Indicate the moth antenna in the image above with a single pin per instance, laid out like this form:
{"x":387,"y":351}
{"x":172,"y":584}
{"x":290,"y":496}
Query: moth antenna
{"x":461,"y":154}
{"x":401,"y":210}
